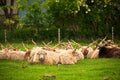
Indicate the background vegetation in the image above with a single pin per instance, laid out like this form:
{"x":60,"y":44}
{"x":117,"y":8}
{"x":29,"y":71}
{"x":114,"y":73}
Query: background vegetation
{"x":77,"y":19}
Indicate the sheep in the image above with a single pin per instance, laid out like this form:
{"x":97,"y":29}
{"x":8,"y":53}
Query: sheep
{"x":16,"y":55}
{"x":27,"y":55}
{"x":49,"y":57}
{"x":109,"y":50}
{"x":68,"y":57}
{"x":77,"y":54}
{"x":30,"y":53}
{"x":93,"y":53}
{"x":105,"y":52}
{"x":46,"y":57}
{"x":13,"y":54}
{"x":80,"y":55}
{"x":3,"y":55}
{"x":59,"y":50}
{"x":40,"y":55}
{"x":85,"y":50}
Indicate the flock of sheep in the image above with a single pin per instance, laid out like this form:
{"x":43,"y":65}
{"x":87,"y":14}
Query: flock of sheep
{"x":62,"y":53}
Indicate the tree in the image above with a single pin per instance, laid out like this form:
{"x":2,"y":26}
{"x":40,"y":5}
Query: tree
{"x":65,"y":12}
{"x":84,"y":15}
{"x":35,"y":15}
{"x":8,"y":11}
{"x":86,"y":18}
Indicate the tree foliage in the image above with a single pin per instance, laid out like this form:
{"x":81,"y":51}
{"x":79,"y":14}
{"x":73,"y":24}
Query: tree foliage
{"x":84,"y":15}
{"x":78,"y":18}
{"x":35,"y":15}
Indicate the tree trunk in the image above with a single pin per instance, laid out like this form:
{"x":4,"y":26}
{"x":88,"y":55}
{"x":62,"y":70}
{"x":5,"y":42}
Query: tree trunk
{"x":7,"y":14}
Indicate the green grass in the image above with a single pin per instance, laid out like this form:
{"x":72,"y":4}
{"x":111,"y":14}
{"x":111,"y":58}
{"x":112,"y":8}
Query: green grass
{"x":87,"y":69}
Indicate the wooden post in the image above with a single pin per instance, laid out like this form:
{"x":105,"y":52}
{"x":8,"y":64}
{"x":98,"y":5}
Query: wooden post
{"x":5,"y":35}
{"x":112,"y":33}
{"x":58,"y":35}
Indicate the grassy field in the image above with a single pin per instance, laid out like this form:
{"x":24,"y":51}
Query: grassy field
{"x":87,"y":69}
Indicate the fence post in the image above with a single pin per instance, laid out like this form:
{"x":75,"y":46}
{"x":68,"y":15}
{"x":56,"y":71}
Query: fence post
{"x":5,"y":35}
{"x":112,"y":33}
{"x":58,"y":35}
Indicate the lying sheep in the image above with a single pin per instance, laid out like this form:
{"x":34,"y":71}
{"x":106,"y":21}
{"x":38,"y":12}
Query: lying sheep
{"x":30,"y":53}
{"x":49,"y":57}
{"x":16,"y":55}
{"x":77,"y":51}
{"x":105,"y":52}
{"x":68,"y":57}
{"x":86,"y":50}
{"x":93,"y":53}
{"x":80,"y":54}
{"x":44,"y":57}
{"x":27,"y":55}
{"x":3,"y":55}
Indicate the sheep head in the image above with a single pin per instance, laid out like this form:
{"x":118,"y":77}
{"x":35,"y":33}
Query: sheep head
{"x":41,"y":55}
{"x":27,"y":55}
{"x":102,"y":50}
{"x":84,"y":50}
{"x":74,"y":53}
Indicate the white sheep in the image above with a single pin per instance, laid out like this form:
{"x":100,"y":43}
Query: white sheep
{"x":80,"y":55}
{"x":93,"y":53}
{"x":46,"y":57}
{"x":3,"y":55}
{"x":68,"y":57}
{"x":85,"y":50}
{"x":32,"y":53}
{"x":16,"y":55}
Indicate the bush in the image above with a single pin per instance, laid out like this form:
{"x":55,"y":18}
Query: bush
{"x":27,"y":34}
